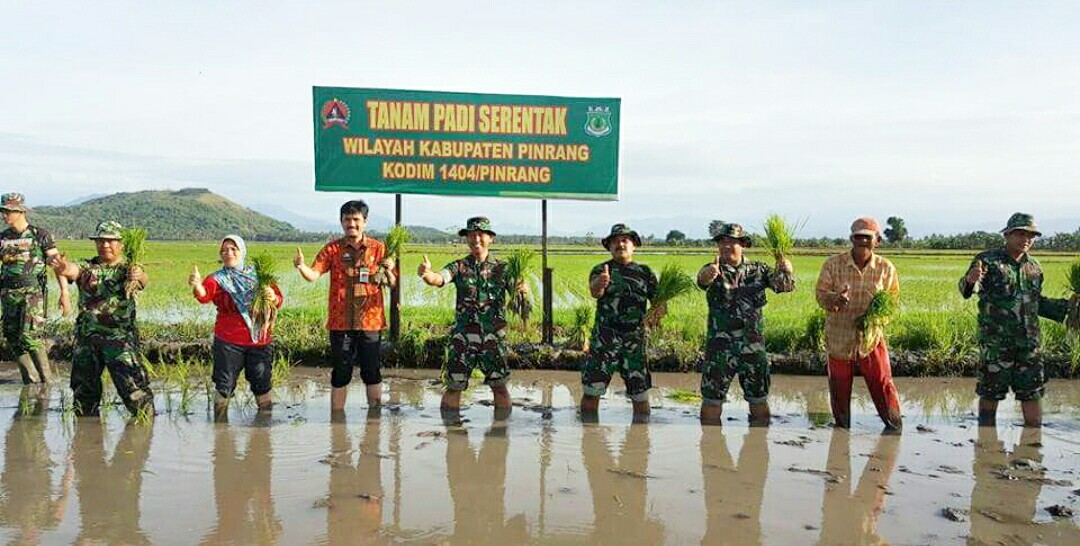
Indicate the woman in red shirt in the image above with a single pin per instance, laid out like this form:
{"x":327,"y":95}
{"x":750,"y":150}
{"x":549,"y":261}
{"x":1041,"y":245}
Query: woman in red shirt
{"x":239,"y":341}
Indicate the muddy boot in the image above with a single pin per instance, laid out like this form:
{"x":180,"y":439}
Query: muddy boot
{"x":27,"y":369}
{"x":44,"y":367}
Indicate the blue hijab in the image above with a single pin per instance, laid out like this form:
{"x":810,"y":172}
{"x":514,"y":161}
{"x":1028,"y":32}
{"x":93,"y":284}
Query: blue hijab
{"x":239,"y":283}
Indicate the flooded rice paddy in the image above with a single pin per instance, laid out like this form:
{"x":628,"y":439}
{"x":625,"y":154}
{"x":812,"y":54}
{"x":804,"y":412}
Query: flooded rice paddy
{"x":403,"y":474}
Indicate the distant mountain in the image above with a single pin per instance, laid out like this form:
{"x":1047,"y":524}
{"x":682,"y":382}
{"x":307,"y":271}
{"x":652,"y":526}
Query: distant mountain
{"x":191,"y":213}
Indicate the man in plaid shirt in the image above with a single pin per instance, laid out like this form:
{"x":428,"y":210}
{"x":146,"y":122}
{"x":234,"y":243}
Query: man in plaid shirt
{"x":845,"y":287}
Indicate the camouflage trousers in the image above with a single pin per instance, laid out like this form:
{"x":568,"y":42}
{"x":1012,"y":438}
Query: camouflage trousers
{"x":1002,"y":367}
{"x":121,"y":357}
{"x":726,"y":356}
{"x":470,"y":349}
{"x":23,"y":319}
{"x":612,"y":350}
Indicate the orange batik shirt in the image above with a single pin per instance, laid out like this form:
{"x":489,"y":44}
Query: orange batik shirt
{"x":355,"y":302}
{"x":841,"y":329}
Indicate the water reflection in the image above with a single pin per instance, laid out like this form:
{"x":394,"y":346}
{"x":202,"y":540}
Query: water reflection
{"x":242,"y":494}
{"x":109,"y":487}
{"x":27,"y":504}
{"x":619,"y":487}
{"x":734,"y":493}
{"x":477,"y":482}
{"x":851,"y":517}
{"x":355,"y":505}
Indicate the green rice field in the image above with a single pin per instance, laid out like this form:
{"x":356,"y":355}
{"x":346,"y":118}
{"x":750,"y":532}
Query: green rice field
{"x":934,"y":320}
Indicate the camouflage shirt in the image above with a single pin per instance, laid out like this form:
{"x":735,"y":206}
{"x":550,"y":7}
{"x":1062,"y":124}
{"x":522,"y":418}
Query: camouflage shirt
{"x":1011,"y":300}
{"x":23,"y":256}
{"x":737,"y":295}
{"x":626,"y":299}
{"x":481,"y":292}
{"x":105,"y":311}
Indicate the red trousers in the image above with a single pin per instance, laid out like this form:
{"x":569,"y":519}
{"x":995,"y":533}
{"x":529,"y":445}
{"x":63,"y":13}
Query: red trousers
{"x":877,"y":371}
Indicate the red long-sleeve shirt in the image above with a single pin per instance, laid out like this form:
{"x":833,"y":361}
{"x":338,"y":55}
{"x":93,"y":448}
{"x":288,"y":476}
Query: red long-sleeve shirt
{"x":230,"y":326}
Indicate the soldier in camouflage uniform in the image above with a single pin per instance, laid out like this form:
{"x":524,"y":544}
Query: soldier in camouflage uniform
{"x":25,"y":250}
{"x":622,"y":290}
{"x":1009,"y":283}
{"x":105,"y":332}
{"x":735,"y":342}
{"x":478,"y":339}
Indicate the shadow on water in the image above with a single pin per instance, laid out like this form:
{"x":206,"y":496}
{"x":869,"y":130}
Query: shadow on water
{"x":407,"y":473}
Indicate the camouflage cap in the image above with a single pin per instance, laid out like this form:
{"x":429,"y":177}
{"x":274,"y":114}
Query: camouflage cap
{"x":476,"y":223}
{"x":732,"y":230}
{"x":109,"y":229}
{"x":1022,"y":221}
{"x":621,"y":229}
{"x":14,"y":201}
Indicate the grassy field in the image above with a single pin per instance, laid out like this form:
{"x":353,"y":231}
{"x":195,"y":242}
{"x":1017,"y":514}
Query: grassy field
{"x":934,"y":320}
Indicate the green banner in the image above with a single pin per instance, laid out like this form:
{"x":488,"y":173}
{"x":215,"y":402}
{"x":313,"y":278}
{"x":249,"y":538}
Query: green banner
{"x":395,"y":141}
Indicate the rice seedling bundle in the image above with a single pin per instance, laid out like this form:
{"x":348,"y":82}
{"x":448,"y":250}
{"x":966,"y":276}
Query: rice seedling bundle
{"x":264,"y":308}
{"x":518,"y":268}
{"x":779,"y":236}
{"x":582,"y":325}
{"x":395,"y":242}
{"x":1072,"y":321}
{"x":673,"y":282}
{"x":878,"y":313}
{"x":134,"y":240}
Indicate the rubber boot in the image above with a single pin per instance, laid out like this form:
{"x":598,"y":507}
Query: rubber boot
{"x":27,"y":369}
{"x":44,"y":366}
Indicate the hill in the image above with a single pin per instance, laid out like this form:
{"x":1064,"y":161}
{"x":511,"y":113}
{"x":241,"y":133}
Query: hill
{"x":191,"y":213}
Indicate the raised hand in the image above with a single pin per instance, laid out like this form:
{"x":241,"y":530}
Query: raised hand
{"x":299,"y":259}
{"x":424,"y":267}
{"x":976,"y":273}
{"x":603,"y":280}
{"x":784,"y":264}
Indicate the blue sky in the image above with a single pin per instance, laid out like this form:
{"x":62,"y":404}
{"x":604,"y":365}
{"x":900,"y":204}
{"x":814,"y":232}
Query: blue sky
{"x":950,"y":114}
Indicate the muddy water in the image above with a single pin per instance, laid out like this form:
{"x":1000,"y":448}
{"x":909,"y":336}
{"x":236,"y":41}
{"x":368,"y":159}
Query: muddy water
{"x":404,"y":475}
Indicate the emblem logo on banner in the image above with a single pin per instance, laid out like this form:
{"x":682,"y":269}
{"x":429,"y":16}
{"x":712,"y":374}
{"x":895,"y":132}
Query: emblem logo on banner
{"x":598,"y":122}
{"x":335,"y":112}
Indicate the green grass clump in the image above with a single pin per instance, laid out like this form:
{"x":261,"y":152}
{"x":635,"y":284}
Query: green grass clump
{"x":779,"y":236}
{"x":673,"y":282}
{"x":878,"y":313}
{"x":134,"y":240}
{"x":1072,"y":321}
{"x":518,"y":269}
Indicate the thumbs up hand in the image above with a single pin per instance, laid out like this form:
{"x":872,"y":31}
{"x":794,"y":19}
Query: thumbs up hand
{"x":600,"y":283}
{"x":976,"y":273}
{"x":424,"y":267}
{"x":299,"y":259}
{"x":195,"y":278}
{"x":710,"y":272}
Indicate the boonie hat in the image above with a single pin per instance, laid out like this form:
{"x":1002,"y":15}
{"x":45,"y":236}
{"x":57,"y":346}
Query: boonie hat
{"x":476,"y":223}
{"x":733,"y":230}
{"x":14,"y":201}
{"x":621,"y":229}
{"x":109,"y":229}
{"x":1022,"y":221}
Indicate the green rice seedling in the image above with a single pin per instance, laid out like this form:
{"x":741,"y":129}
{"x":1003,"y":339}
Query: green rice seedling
{"x":814,"y":332}
{"x":878,"y":313}
{"x":1072,"y":321}
{"x":779,"y":236}
{"x":673,"y":282}
{"x":280,"y":371}
{"x":134,"y":240}
{"x":518,"y":268}
{"x":685,"y":396}
{"x":264,"y":308}
{"x":580,"y":327}
{"x":396,"y":239}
